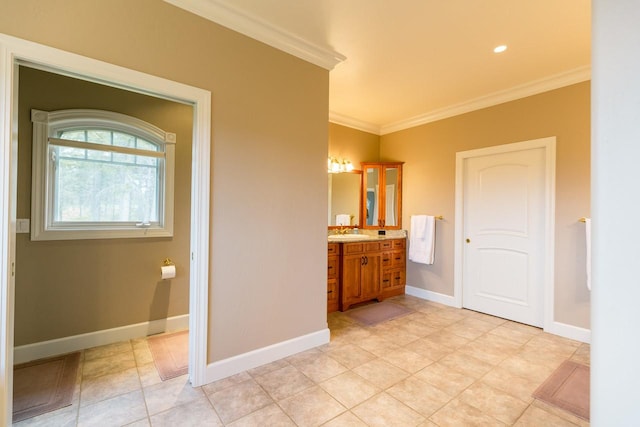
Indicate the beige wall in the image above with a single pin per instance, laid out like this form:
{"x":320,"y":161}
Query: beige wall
{"x":269,"y":148}
{"x":352,"y":144}
{"x":66,"y":288}
{"x":429,"y":182}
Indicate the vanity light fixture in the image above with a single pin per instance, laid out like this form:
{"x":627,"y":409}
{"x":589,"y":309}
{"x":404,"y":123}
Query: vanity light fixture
{"x":337,"y":166}
{"x":500,"y":49}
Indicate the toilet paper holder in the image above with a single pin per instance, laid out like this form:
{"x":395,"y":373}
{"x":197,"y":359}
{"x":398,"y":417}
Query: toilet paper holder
{"x":167,"y":261}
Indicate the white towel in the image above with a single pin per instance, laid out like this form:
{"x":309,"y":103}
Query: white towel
{"x":343,"y":219}
{"x":587,"y":229}
{"x":422,"y":239}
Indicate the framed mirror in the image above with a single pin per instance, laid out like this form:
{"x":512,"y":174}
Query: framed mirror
{"x":344,"y":199}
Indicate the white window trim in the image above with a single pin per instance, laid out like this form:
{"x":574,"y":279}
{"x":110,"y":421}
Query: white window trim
{"x":46,"y":125}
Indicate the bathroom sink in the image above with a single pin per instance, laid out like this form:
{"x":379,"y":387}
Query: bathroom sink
{"x":348,"y":237}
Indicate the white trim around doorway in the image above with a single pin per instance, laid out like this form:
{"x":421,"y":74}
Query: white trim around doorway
{"x":13,"y":51}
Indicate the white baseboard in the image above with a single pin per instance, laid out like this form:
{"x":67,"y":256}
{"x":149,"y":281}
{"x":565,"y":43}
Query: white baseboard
{"x":431,"y":296}
{"x":39,"y":350}
{"x":569,"y":331}
{"x":242,"y":362}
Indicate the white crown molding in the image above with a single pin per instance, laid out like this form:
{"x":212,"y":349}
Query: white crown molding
{"x":252,"y":26}
{"x":535,"y":87}
{"x":347,"y":121}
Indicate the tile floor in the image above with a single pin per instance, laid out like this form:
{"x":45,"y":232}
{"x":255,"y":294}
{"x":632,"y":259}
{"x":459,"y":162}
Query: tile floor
{"x":438,"y":366}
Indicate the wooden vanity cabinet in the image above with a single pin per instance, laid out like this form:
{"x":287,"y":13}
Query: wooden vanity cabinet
{"x":394,"y":267}
{"x":365,"y":266}
{"x":333,"y":277}
{"x":360,"y":273}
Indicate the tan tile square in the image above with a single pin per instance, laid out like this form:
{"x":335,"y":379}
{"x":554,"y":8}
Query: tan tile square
{"x":484,"y":317}
{"x":284,"y":382}
{"x":109,"y":364}
{"x":448,"y":380}
{"x":512,"y":334}
{"x":351,"y":355}
{"x":518,"y":387}
{"x":385,"y":411}
{"x":464,"y":330}
{"x":565,"y":415}
{"x":193,"y":414}
{"x":479,"y":323}
{"x":349,"y":389}
{"x":271,"y":416}
{"x":376,"y":345}
{"x":119,"y":410}
{"x":381,"y":373}
{"x":321,"y":368}
{"x":500,"y":343}
{"x":484,"y":352}
{"x":232,"y":403}
{"x":532,"y":330}
{"x":436,"y":321}
{"x":466,"y":364}
{"x":140,"y":423}
{"x":447,"y":338}
{"x":427,"y":348}
{"x":495,"y":403}
{"x":269,"y":367}
{"x":170,"y":393}
{"x":456,"y":414}
{"x":420,"y":396}
{"x":398,"y":336}
{"x":107,"y":350}
{"x":346,"y":419}
{"x":104,"y":387}
{"x":226,"y":382}
{"x":349,"y":335}
{"x":141,"y":352}
{"x":149,"y":375}
{"x":523,"y":367}
{"x":536,"y":417}
{"x":311,"y":407}
{"x":304,"y":357}
{"x":407,"y":360}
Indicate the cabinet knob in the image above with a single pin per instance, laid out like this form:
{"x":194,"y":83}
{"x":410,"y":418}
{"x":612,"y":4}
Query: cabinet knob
{"x":468,"y":240}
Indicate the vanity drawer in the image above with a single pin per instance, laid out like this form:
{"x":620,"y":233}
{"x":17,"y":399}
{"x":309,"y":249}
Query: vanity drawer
{"x":399,"y":243}
{"x":397,"y":259}
{"x":333,"y":248}
{"x":386,"y":244}
{"x":332,"y":268}
{"x":360,"y":247}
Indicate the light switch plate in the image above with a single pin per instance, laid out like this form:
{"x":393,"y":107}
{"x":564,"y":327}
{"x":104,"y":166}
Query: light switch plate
{"x":22,"y":225}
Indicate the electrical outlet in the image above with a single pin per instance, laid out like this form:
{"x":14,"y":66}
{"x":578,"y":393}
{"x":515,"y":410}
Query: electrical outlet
{"x":22,"y":225}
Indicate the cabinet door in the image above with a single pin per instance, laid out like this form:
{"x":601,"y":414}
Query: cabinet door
{"x":371,"y":272}
{"x":351,"y":279}
{"x":371,"y":196}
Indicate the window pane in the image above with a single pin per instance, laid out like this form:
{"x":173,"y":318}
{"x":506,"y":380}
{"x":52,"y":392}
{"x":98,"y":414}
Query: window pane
{"x":146,"y":145}
{"x":73,"y":135}
{"x":124,"y":140}
{"x":70,"y":152}
{"x":99,"y":136}
{"x":98,"y":191}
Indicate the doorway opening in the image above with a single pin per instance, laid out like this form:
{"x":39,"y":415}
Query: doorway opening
{"x":16,"y":52}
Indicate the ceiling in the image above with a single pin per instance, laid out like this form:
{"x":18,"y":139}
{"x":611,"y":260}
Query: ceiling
{"x":400,"y":63}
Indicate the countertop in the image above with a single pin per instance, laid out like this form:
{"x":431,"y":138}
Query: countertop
{"x":363,"y":237}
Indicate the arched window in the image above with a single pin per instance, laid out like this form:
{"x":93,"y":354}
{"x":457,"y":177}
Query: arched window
{"x":99,"y":174}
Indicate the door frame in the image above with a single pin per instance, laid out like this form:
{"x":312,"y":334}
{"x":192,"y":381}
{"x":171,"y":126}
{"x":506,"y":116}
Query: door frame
{"x":13,"y":51}
{"x":549,"y":146}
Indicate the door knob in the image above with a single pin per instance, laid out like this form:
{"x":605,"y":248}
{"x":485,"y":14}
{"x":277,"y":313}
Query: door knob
{"x":468,"y":240}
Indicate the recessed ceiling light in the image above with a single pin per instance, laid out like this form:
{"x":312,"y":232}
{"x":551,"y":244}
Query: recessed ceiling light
{"x":500,"y":49}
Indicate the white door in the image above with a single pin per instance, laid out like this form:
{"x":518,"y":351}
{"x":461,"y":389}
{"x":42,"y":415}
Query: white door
{"x":504,"y":234}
